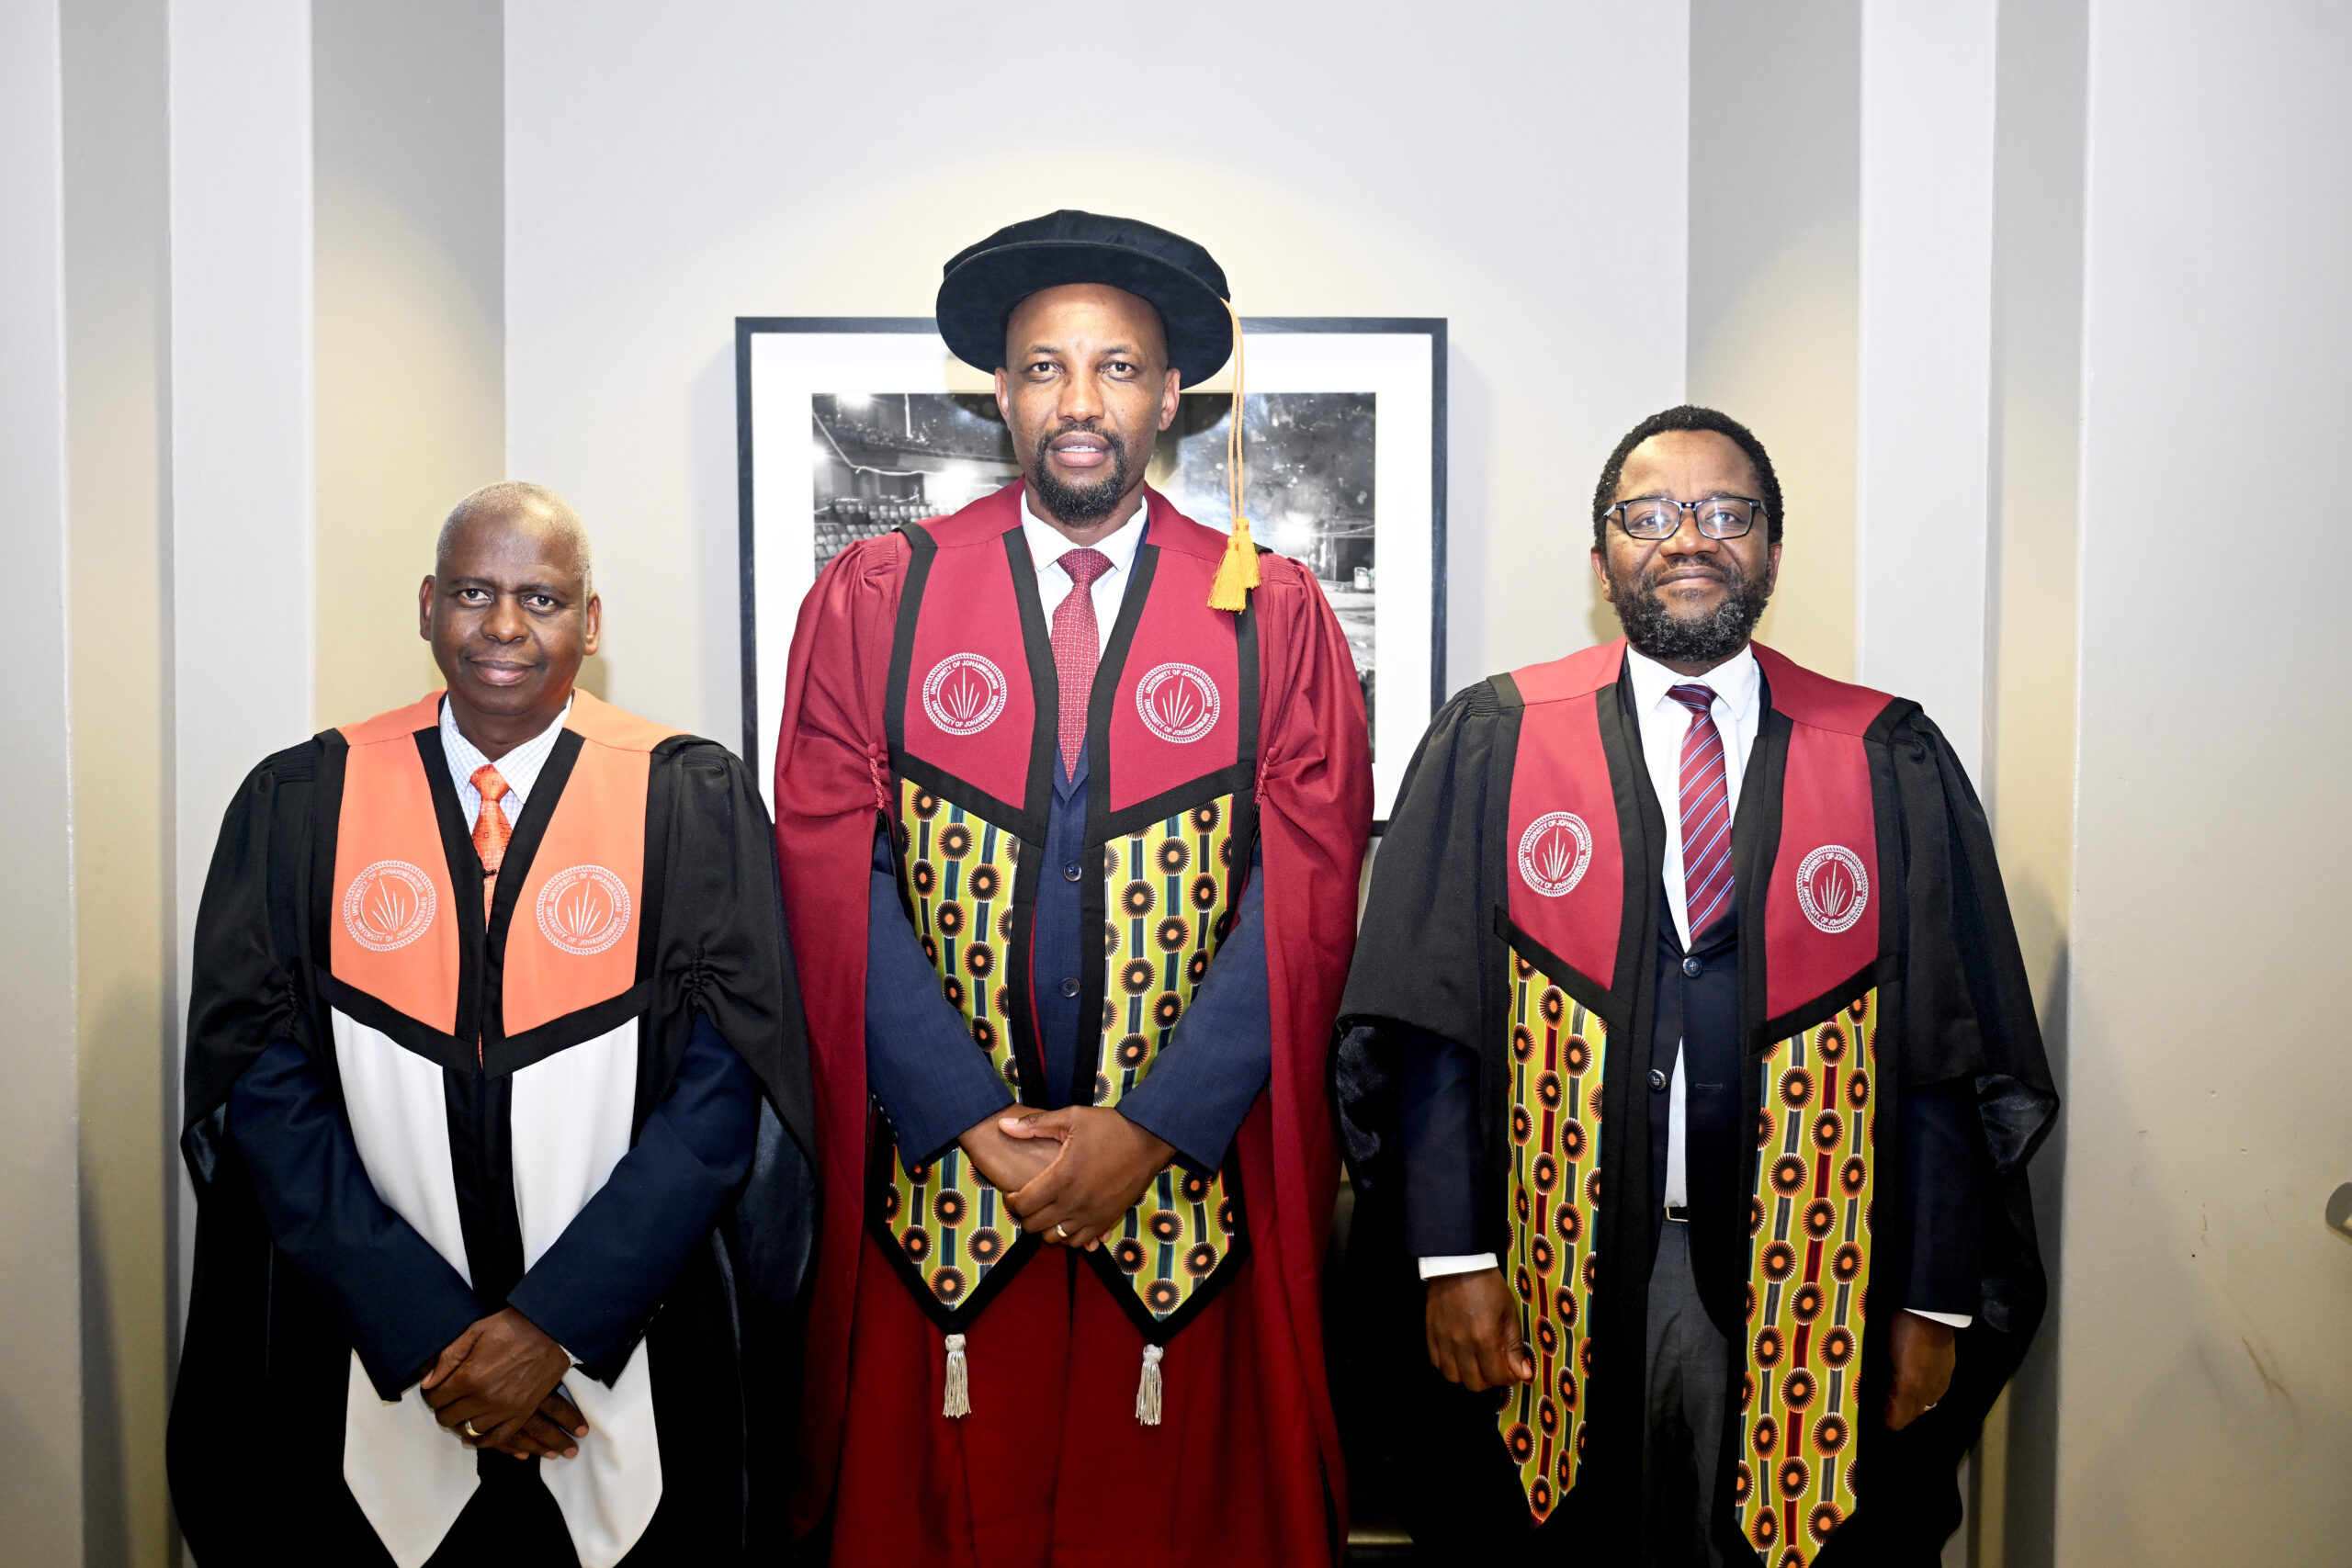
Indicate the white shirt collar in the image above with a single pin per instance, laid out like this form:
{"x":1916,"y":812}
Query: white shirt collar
{"x":1734,"y":682}
{"x":1049,"y":544}
{"x":520,"y":767}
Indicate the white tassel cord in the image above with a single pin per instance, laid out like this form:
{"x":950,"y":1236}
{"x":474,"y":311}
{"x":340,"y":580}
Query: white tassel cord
{"x":959,"y":1382}
{"x":1148,"y":1392}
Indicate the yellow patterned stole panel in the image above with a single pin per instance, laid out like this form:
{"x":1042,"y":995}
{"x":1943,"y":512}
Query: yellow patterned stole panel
{"x":950,"y":1223}
{"x":1809,"y":1278}
{"x":1166,"y":894}
{"x":1558,"y":1050}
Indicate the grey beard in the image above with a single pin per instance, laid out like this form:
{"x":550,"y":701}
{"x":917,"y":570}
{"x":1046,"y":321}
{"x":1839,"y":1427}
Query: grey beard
{"x":1656,"y":631}
{"x":1080,"y":505}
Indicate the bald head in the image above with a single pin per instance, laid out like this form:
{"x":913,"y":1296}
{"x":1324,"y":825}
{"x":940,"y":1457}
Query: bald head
{"x":510,"y":611}
{"x":535,"y":507}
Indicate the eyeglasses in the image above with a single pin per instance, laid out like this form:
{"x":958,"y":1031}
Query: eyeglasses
{"x":1659,"y":518}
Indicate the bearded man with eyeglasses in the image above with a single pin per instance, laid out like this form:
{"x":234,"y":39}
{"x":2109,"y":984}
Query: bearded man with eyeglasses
{"x":1690,"y":1074}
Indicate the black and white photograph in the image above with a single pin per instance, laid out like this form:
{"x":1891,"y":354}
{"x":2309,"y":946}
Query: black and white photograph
{"x":1340,"y":467}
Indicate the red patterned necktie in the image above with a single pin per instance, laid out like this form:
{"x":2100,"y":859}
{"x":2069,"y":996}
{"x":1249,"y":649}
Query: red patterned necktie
{"x":490,"y":830}
{"x":1706,"y":812}
{"x":1078,"y":648}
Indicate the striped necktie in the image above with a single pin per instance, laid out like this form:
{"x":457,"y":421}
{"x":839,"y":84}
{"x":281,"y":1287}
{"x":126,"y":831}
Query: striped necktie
{"x":1706,"y":812}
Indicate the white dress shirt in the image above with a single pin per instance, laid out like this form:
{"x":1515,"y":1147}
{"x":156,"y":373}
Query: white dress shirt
{"x":1048,"y":544}
{"x":1665,"y":722}
{"x":520,"y":768}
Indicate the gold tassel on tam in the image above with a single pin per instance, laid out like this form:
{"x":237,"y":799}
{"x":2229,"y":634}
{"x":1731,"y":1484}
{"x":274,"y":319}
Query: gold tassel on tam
{"x":1148,"y":1392}
{"x":1237,"y":573}
{"x":959,"y":1379}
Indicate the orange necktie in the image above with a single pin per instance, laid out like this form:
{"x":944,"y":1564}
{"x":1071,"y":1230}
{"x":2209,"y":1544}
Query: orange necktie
{"x":491,"y":831}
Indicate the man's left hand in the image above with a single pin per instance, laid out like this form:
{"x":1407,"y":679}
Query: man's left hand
{"x":1922,"y":1353}
{"x":495,"y":1376}
{"x":1105,"y":1163}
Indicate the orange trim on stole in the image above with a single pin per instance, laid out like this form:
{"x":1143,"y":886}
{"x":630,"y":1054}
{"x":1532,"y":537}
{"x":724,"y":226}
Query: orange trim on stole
{"x":395,"y":926}
{"x":572,"y":940}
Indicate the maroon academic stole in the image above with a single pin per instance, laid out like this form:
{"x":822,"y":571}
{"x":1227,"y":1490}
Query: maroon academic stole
{"x":1570,"y":973}
{"x":973,"y":718}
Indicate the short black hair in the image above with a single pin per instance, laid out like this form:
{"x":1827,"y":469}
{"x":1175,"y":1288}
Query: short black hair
{"x":1687,"y":416}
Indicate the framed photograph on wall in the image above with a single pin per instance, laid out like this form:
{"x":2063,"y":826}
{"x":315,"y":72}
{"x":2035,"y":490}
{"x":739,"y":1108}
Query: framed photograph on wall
{"x":848,"y":427}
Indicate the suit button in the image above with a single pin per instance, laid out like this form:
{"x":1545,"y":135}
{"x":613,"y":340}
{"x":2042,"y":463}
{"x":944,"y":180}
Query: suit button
{"x":1657,"y":1081}
{"x":1692,"y":967}
{"x":1070,"y":987}
{"x":1072,"y":872}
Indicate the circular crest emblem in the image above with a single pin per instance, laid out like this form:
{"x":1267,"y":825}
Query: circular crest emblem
{"x":584,"y":909}
{"x":963,"y":693}
{"x":388,"y":906}
{"x":1178,"y":703}
{"x":1554,"y":851}
{"x":1832,"y":887}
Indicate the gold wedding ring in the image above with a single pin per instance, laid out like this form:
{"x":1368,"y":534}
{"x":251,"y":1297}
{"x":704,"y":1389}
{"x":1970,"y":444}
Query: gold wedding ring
{"x":1062,"y":1230}
{"x":468,"y":1431}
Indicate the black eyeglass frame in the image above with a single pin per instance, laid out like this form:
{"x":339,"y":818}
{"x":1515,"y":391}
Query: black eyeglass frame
{"x":1755,"y":505}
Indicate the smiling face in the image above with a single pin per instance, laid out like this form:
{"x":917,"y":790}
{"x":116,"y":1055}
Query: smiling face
{"x":1085,"y":389}
{"x":1688,"y":601}
{"x":510,"y":616}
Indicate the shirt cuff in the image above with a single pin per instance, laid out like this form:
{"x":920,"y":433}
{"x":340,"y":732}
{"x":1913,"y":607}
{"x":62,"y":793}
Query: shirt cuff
{"x":1461,"y":1263}
{"x":1949,"y":1319}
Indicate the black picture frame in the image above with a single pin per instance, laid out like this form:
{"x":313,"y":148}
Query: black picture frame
{"x":895,"y":339}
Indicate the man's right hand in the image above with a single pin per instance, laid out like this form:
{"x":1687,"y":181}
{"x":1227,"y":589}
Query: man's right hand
{"x":1473,"y":1328}
{"x":1009,"y":1163}
{"x":546,"y":1434}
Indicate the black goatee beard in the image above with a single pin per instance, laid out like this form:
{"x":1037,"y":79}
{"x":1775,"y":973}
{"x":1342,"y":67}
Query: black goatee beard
{"x":1079,"y":505}
{"x":1656,"y":631}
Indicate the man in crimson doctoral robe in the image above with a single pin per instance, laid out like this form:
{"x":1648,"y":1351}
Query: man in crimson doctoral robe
{"x":1070,"y":858}
{"x":497,"y":1105}
{"x":1690,"y":1081}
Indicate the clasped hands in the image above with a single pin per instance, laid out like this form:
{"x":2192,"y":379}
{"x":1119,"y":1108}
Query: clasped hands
{"x":1471,"y":1325}
{"x":1068,"y":1176}
{"x":494,"y":1387}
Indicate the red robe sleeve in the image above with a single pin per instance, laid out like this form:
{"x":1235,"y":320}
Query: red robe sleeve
{"x":831,"y":778}
{"x":1315,"y":815}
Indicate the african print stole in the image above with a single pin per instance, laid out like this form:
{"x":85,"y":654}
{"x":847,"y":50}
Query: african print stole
{"x":1171,"y":736}
{"x":1567,"y":858}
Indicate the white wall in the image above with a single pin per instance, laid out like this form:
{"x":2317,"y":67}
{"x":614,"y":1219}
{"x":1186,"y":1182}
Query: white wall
{"x":2205,"y":1412}
{"x":1517,"y":169}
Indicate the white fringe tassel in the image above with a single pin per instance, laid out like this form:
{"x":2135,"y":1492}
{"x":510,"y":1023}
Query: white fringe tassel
{"x":959,"y":1382}
{"x":1148,"y":1392}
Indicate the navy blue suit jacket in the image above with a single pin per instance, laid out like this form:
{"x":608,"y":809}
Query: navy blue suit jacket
{"x":593,"y":1291}
{"x":934,"y":1084}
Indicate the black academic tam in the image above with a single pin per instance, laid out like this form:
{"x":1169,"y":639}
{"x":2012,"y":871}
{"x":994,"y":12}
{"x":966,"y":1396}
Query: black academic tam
{"x":1180,"y":280}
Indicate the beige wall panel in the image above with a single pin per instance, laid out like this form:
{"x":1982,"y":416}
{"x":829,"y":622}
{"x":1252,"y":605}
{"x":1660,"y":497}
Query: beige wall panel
{"x":1775,"y":282}
{"x":410,"y":356}
{"x":2029,"y":782}
{"x":2205,"y":1366}
{"x":41,"y":1407}
{"x":116,"y":325}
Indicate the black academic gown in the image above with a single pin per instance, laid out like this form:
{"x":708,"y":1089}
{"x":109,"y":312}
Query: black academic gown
{"x":1427,"y":969}
{"x":284,"y":1292}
